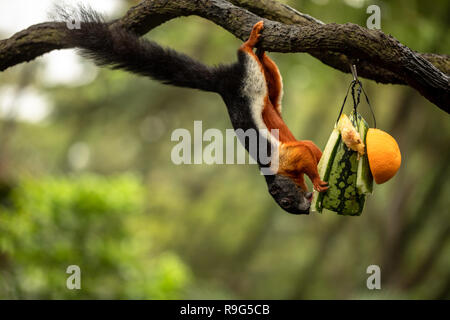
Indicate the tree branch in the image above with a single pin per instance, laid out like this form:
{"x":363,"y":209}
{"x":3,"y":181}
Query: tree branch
{"x":379,"y":57}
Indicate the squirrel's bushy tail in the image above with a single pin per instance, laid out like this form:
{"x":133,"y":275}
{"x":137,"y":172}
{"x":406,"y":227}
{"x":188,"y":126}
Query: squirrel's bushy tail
{"x":120,"y":49}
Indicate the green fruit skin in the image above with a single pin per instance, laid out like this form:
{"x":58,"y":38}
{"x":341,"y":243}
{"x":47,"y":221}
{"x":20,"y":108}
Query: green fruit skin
{"x":324,"y":167}
{"x":342,"y":195}
{"x":349,"y":179}
{"x":364,"y":180}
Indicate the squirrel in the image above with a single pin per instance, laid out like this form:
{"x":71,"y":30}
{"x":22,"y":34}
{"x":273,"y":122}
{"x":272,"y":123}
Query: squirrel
{"x":251,"y":88}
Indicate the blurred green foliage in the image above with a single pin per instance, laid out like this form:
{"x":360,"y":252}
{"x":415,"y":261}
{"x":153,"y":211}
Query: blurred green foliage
{"x":89,"y":221}
{"x":141,"y":227}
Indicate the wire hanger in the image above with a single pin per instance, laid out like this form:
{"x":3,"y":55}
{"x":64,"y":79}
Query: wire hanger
{"x":354,"y":73}
{"x":356,"y":98}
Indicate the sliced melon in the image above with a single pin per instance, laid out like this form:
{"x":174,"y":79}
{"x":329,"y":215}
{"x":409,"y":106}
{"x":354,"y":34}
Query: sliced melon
{"x":324,"y":167}
{"x":342,"y":196}
{"x":364,"y":179}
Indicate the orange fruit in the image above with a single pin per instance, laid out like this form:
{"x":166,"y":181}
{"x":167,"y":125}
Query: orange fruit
{"x":383,"y":154}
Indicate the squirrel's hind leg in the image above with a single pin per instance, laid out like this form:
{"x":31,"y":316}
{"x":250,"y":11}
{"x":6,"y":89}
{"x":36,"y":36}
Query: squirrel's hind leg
{"x":254,"y":82}
{"x":274,"y":79}
{"x":255,"y":35}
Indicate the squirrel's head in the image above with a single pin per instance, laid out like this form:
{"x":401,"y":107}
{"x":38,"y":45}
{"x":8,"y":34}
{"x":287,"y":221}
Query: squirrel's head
{"x":288,"y":195}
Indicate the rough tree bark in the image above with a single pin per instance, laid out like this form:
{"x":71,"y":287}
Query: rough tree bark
{"x":379,"y":57}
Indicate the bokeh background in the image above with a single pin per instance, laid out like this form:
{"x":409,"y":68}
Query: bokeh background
{"x":86,"y":176}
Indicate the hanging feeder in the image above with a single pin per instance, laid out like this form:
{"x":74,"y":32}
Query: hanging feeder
{"x":352,"y":150}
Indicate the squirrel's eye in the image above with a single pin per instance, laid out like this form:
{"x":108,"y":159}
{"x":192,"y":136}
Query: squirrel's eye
{"x":274,"y":190}
{"x":285,"y":202}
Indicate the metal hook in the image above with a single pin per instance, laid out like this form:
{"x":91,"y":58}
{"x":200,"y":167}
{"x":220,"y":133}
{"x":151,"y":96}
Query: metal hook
{"x":354,"y":73}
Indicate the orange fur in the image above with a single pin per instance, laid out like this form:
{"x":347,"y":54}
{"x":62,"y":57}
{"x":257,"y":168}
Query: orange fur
{"x":273,"y":78}
{"x":273,"y":120}
{"x":296,"y":157}
{"x":271,"y":115}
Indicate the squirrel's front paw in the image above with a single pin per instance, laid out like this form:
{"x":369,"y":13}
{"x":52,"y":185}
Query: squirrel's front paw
{"x":320,"y":186}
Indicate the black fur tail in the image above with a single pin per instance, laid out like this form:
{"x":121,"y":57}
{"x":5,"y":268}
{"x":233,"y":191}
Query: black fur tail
{"x":120,"y":49}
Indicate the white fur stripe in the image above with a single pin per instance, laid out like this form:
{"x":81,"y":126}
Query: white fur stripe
{"x":255,"y":88}
{"x":280,"y":95}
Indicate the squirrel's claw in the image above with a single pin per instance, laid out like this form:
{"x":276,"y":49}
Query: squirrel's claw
{"x":255,"y":35}
{"x":321,"y":186}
